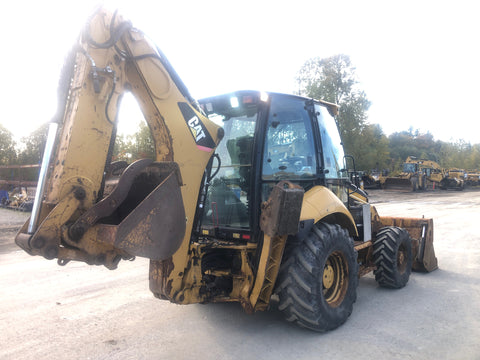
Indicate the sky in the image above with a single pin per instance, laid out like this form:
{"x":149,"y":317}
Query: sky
{"x":417,"y":61}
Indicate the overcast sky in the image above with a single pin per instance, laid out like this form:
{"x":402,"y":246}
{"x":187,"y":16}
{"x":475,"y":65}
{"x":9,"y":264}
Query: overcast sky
{"x":417,"y":61}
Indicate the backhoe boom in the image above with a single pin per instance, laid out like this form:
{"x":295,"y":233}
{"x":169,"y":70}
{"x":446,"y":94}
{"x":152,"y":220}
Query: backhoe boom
{"x":151,"y":211}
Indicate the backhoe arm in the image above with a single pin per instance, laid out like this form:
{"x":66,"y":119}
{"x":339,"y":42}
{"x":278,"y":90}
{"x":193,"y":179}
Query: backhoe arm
{"x":86,"y":213}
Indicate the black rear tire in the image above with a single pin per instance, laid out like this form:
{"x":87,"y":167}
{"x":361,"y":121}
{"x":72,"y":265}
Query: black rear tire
{"x":318,"y":279}
{"x":392,"y":254}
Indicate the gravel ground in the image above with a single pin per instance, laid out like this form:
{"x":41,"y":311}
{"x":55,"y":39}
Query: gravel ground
{"x":82,"y":312}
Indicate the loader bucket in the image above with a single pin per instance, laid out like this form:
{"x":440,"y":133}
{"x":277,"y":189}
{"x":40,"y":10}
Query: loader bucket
{"x":400,"y":184}
{"x":421,"y":233}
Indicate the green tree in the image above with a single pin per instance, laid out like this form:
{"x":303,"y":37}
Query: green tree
{"x":473,"y":159}
{"x":401,"y":145}
{"x":135,"y":146}
{"x":33,"y":146}
{"x":7,"y":147}
{"x":144,"y":144}
{"x":459,"y":154}
{"x":374,"y":152}
{"x":31,"y":152}
{"x":8,"y":154}
{"x":333,"y":79}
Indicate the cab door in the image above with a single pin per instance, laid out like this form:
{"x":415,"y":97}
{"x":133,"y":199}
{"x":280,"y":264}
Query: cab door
{"x":332,"y":154}
{"x":289,"y":151}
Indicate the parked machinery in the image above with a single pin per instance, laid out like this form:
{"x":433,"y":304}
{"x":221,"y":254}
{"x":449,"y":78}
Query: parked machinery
{"x":248,"y":195}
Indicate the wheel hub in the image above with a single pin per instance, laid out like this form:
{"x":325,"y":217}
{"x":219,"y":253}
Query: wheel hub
{"x":402,"y":260}
{"x":328,"y":276}
{"x":335,"y":279}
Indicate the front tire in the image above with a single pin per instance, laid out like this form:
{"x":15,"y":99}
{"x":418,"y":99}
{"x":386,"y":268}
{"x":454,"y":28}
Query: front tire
{"x":392,"y":254}
{"x":318,"y":279}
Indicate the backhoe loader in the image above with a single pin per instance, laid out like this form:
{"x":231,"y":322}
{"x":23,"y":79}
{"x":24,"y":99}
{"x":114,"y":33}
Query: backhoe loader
{"x":412,"y":178}
{"x":422,"y":174}
{"x":442,"y":178}
{"x":247,"y":199}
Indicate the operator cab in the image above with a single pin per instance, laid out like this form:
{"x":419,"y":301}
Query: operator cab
{"x":269,"y":137}
{"x":410,"y":168}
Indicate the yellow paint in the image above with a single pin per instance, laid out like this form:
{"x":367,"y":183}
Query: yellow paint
{"x":319,"y":203}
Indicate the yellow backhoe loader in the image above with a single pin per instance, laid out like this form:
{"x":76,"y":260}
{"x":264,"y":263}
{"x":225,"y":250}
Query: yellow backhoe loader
{"x":421,"y":174}
{"x":247,"y":198}
{"x":412,"y":178}
{"x":444,"y":179}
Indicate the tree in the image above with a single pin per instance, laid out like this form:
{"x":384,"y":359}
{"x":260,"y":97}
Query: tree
{"x":333,"y":79}
{"x":473,"y":159}
{"x":144,"y":144}
{"x":34,"y":144}
{"x":8,"y":153}
{"x":459,"y":154}
{"x":375,"y":151}
{"x":135,"y":146}
{"x":7,"y":147}
{"x":31,"y":152}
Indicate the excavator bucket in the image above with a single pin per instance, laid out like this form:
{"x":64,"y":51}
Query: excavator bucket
{"x":421,"y":233}
{"x":143,"y":216}
{"x":153,"y":225}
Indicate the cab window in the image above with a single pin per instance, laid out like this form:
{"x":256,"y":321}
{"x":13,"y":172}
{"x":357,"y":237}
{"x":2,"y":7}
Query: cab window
{"x":227,"y":201}
{"x":332,"y":148}
{"x":289,"y":151}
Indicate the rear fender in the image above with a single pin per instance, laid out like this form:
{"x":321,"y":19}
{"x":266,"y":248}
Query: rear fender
{"x":321,"y":203}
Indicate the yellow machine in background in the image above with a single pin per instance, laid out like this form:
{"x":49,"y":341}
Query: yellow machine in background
{"x":453,"y":179}
{"x":442,"y":178}
{"x":248,"y":195}
{"x":421,"y":174}
{"x":412,"y":178}
{"x":472,"y":178}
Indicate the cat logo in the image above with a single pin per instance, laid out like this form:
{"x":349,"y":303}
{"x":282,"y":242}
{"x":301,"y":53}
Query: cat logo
{"x":196,"y":128}
{"x":200,"y":134}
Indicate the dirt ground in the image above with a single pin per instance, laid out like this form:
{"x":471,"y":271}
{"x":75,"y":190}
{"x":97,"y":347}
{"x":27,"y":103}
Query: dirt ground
{"x":82,"y":312}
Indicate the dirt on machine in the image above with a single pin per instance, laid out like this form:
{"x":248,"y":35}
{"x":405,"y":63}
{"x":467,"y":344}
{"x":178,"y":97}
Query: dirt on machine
{"x":248,"y":197}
